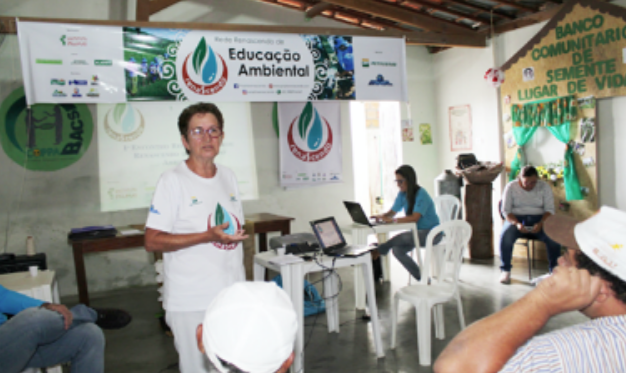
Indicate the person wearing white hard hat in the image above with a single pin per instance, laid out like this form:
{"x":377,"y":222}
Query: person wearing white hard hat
{"x":590,"y":278}
{"x":250,"y":327}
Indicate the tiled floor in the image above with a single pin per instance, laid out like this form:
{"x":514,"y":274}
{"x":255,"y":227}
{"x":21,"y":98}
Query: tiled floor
{"x":143,"y":347}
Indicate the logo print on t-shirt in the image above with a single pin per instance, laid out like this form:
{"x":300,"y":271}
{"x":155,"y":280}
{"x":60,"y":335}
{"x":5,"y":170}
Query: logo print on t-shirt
{"x":194,"y":201}
{"x":222,"y":216}
{"x":154,"y":210}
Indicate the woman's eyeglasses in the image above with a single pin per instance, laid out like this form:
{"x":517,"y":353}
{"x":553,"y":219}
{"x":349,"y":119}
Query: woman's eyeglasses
{"x":399,"y":181}
{"x":212,"y":132}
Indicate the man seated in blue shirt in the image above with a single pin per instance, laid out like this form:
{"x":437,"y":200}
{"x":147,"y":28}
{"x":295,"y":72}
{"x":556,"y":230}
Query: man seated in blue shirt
{"x":44,"y":334}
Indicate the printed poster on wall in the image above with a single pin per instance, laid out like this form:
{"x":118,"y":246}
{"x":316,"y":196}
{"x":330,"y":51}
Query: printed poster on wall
{"x":310,"y":143}
{"x":116,"y":64}
{"x":139,"y":141}
{"x":460,"y":128}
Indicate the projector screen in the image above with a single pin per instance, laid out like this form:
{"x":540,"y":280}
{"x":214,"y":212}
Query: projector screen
{"x":137,"y":142}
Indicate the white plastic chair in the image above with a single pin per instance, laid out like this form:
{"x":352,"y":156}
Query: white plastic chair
{"x":448,"y":207}
{"x":433,"y":291}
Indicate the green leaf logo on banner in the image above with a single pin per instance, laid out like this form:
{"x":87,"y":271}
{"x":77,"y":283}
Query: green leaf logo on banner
{"x":305,"y":119}
{"x":198,"y":55}
{"x":219,"y":215}
{"x":118,"y":112}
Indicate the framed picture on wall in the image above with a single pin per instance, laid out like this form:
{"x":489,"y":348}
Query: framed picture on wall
{"x":460,"y":128}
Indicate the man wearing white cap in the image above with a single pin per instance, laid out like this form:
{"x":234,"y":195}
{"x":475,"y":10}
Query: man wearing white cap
{"x":590,"y":277}
{"x":250,"y":327}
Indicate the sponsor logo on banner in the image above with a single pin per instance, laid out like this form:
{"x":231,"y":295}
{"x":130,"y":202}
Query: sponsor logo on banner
{"x":73,"y":41}
{"x":95,"y":80}
{"x":102,"y":62}
{"x":124,"y":123}
{"x":57,"y":135}
{"x":77,"y":93}
{"x":204,"y":71}
{"x":47,"y":61}
{"x":78,"y":82}
{"x":58,"y":93}
{"x":365,"y":62}
{"x":93,"y":93}
{"x":313,"y":140}
{"x":384,"y":63}
{"x":222,"y":216}
{"x":57,"y":81}
{"x":380,"y":80}
{"x":80,"y":62}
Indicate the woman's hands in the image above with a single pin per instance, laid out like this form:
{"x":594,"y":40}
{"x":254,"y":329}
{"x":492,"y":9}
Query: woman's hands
{"x":217,"y":234}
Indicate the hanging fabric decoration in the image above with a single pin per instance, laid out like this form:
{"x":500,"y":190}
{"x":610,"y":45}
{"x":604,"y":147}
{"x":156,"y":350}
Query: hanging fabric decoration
{"x":555,"y":115}
{"x":495,"y":77}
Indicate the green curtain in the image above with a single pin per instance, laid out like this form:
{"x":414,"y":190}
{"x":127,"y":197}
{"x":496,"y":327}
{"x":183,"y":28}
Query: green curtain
{"x":556,"y":115}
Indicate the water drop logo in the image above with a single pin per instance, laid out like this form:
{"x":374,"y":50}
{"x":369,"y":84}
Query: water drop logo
{"x":124,"y":123}
{"x":313,"y":138}
{"x":222,"y":216}
{"x":204,"y":71}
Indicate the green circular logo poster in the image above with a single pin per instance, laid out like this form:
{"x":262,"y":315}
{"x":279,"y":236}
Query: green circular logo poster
{"x":49,"y":137}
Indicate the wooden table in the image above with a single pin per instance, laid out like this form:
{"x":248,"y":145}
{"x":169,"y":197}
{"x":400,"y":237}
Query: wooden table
{"x":265,"y":223}
{"x":82,"y":247}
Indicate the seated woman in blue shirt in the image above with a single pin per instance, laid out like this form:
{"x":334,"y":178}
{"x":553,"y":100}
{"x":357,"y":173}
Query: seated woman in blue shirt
{"x":419,"y":208}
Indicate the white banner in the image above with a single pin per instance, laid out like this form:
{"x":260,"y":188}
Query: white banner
{"x":137,"y":142}
{"x":79,"y":63}
{"x":64,"y":63}
{"x":310,"y":143}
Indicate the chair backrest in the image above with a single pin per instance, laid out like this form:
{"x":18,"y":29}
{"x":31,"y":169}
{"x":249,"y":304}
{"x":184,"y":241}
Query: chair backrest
{"x":448,"y":207}
{"x":447,"y":255}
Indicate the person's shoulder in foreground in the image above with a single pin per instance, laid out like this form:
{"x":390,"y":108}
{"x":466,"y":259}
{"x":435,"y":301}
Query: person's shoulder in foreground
{"x":250,"y":327}
{"x":590,"y":278}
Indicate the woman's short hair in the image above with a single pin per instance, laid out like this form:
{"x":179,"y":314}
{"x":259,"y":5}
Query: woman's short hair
{"x":199,"y":108}
{"x":528,"y":171}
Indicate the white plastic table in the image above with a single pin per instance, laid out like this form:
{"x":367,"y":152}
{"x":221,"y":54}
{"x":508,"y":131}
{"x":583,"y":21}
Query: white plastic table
{"x":43,"y":287}
{"x":360,"y":233}
{"x":293,"y":284}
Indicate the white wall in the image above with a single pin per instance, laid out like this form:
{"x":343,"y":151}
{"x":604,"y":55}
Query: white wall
{"x":422,"y":109}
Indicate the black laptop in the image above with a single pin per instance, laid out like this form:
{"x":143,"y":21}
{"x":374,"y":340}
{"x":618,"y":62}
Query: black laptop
{"x":331,"y":240}
{"x":358,"y":215}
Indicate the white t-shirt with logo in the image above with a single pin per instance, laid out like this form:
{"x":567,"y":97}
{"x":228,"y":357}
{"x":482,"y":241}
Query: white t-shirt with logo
{"x":185,"y":202}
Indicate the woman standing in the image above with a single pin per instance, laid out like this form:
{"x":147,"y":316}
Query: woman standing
{"x":419,"y":208}
{"x":195,"y":220}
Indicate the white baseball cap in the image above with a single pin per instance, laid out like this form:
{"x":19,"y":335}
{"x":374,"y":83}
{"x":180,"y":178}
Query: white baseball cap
{"x":251,"y":325}
{"x":602,"y":237}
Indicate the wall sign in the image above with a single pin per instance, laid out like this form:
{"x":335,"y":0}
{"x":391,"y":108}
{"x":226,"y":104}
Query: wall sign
{"x":49,"y":137}
{"x":110,"y":64}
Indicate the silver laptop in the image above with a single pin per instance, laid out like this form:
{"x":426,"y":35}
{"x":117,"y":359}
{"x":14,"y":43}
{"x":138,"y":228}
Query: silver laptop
{"x":331,"y":240}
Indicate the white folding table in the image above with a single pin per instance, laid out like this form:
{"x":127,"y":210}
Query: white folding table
{"x":293,"y":284}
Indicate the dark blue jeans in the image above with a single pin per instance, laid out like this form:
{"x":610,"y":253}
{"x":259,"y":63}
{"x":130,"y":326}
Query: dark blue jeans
{"x":510,"y":234}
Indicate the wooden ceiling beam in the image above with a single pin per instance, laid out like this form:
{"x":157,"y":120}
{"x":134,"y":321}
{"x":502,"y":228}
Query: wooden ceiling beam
{"x":317,"y":9}
{"x":146,"y":8}
{"x":472,"y":40}
{"x":443,"y":9}
{"x":518,"y":23}
{"x":479,"y":8}
{"x":516,"y":5}
{"x":400,"y":15}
